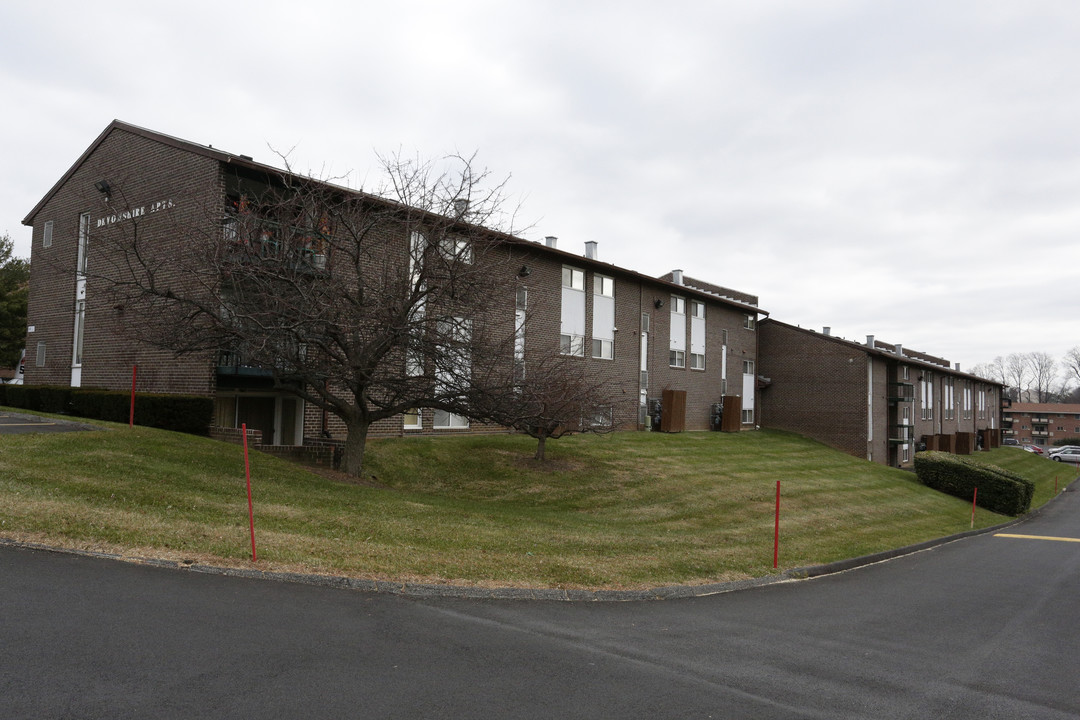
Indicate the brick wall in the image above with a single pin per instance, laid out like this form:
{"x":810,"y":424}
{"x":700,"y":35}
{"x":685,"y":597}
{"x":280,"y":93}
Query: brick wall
{"x":155,"y":188}
{"x":818,"y":388}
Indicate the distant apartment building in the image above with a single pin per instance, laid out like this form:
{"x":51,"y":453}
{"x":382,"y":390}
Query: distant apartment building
{"x":873,"y":400}
{"x":1041,"y":424}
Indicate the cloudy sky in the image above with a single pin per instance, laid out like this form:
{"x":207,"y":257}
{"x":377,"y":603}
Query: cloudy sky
{"x":903,"y":168}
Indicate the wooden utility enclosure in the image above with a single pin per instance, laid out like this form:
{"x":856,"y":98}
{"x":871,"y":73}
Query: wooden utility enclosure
{"x":732,"y":421}
{"x":673,"y":411}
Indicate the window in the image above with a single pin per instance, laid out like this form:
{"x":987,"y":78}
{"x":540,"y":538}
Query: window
{"x":572,"y":328}
{"x":603,"y":344}
{"x":455,"y":248}
{"x":749,"y":322}
{"x":442,"y":420}
{"x":677,"y":345}
{"x":948,"y":409}
{"x":748,"y":367}
{"x":926,"y":396}
{"x":412,"y":419}
{"x":40,"y":360}
{"x":521,"y":304}
{"x":602,"y":417}
{"x":905,"y":372}
{"x":80,"y":325}
{"x":697,"y":335}
{"x":46,"y":238}
{"x":748,"y":415}
{"x":906,"y":456}
{"x":84,"y":240}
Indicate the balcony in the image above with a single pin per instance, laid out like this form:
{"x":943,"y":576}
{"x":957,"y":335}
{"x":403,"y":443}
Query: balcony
{"x":900,"y":434}
{"x":1040,"y":433}
{"x":1040,"y":421}
{"x":230,"y":363}
{"x":901,"y":392}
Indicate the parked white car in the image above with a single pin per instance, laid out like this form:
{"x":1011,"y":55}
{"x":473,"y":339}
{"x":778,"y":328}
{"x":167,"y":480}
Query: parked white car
{"x":1068,"y":455}
{"x":1063,"y":448}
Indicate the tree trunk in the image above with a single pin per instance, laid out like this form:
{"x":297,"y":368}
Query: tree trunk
{"x":540,"y":440}
{"x":352,"y":458}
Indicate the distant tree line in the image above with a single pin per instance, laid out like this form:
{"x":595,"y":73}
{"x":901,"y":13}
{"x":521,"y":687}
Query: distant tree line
{"x":14,"y":288}
{"x":1036,"y":376}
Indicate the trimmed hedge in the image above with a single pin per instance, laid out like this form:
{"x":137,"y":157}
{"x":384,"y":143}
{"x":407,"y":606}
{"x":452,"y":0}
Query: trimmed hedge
{"x":1000,"y":490}
{"x":184,"y":413}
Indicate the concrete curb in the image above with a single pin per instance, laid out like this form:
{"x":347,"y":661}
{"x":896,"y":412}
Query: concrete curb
{"x":424,"y":590}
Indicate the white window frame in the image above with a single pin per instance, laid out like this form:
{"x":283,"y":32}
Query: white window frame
{"x":442,"y":420}
{"x":47,"y":233}
{"x":697,"y":335}
{"x":572,"y":316}
{"x":677,"y":358}
{"x":417,"y":424}
{"x":603,"y":317}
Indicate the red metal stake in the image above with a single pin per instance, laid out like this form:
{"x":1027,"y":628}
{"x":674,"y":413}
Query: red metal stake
{"x":131,"y":417}
{"x":776,"y":531}
{"x":973,"y":497}
{"x":247,"y":475}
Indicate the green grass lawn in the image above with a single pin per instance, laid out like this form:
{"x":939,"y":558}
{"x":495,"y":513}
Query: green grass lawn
{"x":622,"y":511}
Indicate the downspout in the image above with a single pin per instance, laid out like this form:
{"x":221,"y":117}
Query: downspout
{"x":869,"y":407}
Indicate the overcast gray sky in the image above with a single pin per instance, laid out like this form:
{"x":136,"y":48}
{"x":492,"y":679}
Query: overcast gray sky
{"x":903,"y":168}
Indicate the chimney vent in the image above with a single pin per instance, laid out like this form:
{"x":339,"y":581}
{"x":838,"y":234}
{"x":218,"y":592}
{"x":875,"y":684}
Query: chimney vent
{"x":826,"y":330}
{"x":676,"y":277}
{"x":957,"y":367}
{"x":551,"y":240}
{"x":870,"y":341}
{"x":590,"y":249}
{"x":899,"y":349}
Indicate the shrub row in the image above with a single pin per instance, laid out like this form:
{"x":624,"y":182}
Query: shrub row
{"x":183,"y":413}
{"x":1000,"y":491}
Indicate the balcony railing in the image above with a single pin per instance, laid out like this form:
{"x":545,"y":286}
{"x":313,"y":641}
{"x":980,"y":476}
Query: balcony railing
{"x":902,"y":434}
{"x":901,"y":392}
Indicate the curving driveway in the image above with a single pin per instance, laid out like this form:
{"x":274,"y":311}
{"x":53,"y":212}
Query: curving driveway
{"x":984,"y":627}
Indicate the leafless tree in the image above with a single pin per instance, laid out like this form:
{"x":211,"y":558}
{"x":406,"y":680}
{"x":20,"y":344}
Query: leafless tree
{"x":1043,"y":369}
{"x":1071,"y":364}
{"x":552,"y":397}
{"x":364,"y":307}
{"x":1017,"y":373}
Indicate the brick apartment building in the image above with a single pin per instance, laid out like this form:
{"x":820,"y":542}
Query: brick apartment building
{"x":1041,"y":424}
{"x":875,"y":401}
{"x":651,"y":338}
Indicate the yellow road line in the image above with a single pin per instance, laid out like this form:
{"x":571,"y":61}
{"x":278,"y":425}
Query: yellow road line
{"x":1038,"y":537}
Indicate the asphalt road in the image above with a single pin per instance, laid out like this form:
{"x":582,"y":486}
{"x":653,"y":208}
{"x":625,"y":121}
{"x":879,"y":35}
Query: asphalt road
{"x":17,"y":423}
{"x":984,"y":627}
